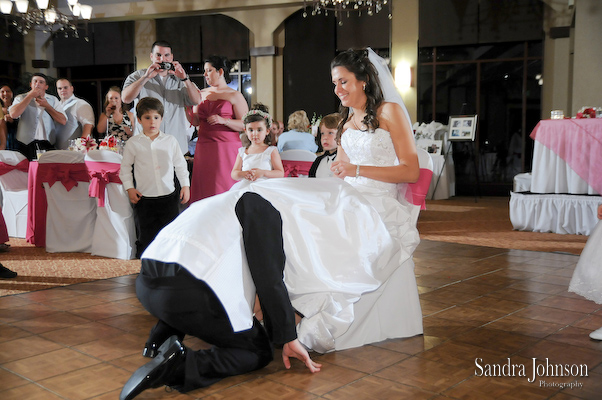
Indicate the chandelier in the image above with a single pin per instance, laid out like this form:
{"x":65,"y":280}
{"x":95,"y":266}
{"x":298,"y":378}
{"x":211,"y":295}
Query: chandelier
{"x":43,"y":16}
{"x":342,"y":8}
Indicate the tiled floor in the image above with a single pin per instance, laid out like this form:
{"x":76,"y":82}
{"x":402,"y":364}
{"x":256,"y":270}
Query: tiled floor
{"x":487,"y":312}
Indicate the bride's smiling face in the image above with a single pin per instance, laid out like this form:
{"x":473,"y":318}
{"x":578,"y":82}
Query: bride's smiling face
{"x":348,"y":88}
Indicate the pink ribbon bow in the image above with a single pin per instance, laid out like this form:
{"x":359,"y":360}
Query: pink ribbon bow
{"x":102,"y":174}
{"x":22,"y":166}
{"x":294,"y":168}
{"x":68,"y":174}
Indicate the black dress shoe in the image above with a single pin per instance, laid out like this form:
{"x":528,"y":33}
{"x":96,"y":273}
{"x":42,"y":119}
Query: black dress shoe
{"x":167,"y":368}
{"x":159,"y":334}
{"x":6,"y":273}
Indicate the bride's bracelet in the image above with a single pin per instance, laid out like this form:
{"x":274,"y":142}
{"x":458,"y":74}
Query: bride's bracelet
{"x":357,"y":171}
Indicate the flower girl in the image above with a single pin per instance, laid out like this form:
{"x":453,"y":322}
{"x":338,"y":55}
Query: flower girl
{"x":258,"y":160}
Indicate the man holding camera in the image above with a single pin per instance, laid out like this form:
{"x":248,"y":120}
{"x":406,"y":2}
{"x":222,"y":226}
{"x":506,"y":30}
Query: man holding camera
{"x":167,"y":81}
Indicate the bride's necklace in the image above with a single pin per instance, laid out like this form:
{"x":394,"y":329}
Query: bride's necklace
{"x":356,"y":125}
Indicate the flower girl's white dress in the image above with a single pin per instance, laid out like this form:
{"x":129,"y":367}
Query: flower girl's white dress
{"x":348,"y":245}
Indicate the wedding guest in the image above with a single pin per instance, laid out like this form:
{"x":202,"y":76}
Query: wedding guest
{"x":219,"y":121}
{"x":80,"y":116}
{"x":328,"y":139}
{"x":39,"y":116}
{"x":116,"y":120}
{"x":147,"y":173}
{"x":167,"y":81}
{"x":297,"y":137}
{"x":6,"y":100}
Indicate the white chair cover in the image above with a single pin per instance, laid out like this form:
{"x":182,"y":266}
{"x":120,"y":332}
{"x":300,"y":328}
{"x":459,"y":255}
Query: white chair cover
{"x":14,"y":194}
{"x":71,"y":215}
{"x":114,"y":231}
{"x":298,"y":155}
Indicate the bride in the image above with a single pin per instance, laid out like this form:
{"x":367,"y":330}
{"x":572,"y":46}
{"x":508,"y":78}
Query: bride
{"x":348,"y":243}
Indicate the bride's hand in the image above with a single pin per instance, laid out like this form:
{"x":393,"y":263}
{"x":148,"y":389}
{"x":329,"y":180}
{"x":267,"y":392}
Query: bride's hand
{"x":342,"y":169}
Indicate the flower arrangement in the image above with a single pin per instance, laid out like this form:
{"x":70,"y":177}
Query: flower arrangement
{"x":86,"y":144}
{"x":110,"y":143}
{"x":587,"y":112}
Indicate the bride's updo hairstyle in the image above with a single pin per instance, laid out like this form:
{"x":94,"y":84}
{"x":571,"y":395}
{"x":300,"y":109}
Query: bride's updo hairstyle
{"x":357,"y":62}
{"x":222,"y":63}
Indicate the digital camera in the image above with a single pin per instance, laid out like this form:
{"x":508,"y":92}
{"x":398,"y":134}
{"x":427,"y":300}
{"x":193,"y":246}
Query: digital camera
{"x":167,"y":66}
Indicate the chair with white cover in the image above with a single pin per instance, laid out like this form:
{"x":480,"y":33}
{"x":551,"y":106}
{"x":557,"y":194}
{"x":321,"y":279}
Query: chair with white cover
{"x":420,"y":188}
{"x":13,"y":183}
{"x":114,"y":231}
{"x":71,"y":212}
{"x":297,"y":163}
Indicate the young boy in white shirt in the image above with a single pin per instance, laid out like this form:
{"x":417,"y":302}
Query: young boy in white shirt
{"x":151,"y":159}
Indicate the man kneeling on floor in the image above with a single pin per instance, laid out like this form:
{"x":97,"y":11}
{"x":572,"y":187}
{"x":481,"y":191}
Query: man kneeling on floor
{"x":186,"y":305}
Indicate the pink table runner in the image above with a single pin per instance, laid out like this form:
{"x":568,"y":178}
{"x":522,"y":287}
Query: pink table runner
{"x":576,"y":141}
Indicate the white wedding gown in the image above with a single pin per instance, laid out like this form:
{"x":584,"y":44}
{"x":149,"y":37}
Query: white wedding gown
{"x":587,"y":277}
{"x":348,"y":245}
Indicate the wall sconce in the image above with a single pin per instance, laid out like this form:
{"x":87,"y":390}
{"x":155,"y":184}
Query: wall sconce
{"x":403,"y":76}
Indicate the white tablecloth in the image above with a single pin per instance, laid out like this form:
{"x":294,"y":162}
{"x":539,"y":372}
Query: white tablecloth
{"x":447,"y":183}
{"x":551,"y":174}
{"x":567,"y":156}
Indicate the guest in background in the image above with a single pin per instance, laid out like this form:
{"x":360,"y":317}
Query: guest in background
{"x":280,"y":128}
{"x":147,"y":172}
{"x":3,"y":131}
{"x":39,"y":115}
{"x":80,"y":116}
{"x":328,"y":138}
{"x":297,"y":137}
{"x":115,"y":120}
{"x":167,"y":81}
{"x":274,"y":132}
{"x":587,"y":277}
{"x":6,"y":99}
{"x":219,"y":121}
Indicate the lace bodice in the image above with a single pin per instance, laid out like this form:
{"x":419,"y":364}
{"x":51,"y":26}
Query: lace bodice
{"x":370,"y":148}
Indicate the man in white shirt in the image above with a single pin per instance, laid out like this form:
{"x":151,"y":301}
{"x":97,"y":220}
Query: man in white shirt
{"x":80,"y":116}
{"x":167,"y":81}
{"x":39,"y":116}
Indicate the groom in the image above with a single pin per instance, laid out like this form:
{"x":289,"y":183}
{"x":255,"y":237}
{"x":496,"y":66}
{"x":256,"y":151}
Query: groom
{"x":186,"y":305}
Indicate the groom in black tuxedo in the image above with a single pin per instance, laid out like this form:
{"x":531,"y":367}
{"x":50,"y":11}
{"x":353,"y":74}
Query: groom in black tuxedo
{"x":186,"y":305}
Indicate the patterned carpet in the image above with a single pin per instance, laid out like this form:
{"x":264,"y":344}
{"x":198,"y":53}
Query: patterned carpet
{"x":485,"y":222}
{"x":38,"y":269}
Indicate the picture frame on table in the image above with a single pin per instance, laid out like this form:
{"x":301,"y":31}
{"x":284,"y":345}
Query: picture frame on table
{"x":430,"y":146}
{"x":462,"y":127}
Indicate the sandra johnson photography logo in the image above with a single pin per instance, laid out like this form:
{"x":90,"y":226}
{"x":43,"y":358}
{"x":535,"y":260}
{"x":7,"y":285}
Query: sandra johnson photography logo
{"x":532,"y":371}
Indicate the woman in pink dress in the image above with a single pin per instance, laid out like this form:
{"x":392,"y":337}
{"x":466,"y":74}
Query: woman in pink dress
{"x":219,"y":123}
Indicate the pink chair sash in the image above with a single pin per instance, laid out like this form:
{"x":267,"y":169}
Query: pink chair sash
{"x":68,"y":174}
{"x":420,"y":189}
{"x":102,"y":173}
{"x":295,"y":168}
{"x":6,"y":168}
